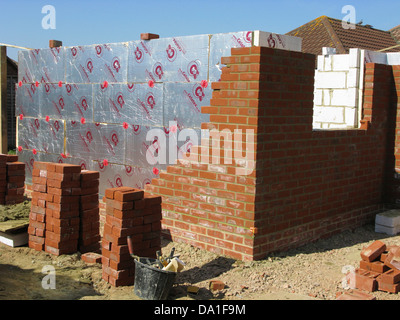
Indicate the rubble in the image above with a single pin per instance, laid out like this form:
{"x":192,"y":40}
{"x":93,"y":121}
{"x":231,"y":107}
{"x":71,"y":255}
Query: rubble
{"x":379,"y":268}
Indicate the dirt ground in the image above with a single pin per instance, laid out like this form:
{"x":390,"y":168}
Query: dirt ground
{"x":311,"y":272}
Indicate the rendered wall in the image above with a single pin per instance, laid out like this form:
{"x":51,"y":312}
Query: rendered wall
{"x":84,"y":104}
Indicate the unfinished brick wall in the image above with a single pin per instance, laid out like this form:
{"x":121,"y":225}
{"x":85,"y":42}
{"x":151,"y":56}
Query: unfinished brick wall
{"x":393,"y":155}
{"x":306,"y":184}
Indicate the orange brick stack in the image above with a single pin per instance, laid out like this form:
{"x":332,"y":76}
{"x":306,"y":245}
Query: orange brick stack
{"x":15,"y":180}
{"x":62,"y":209}
{"x":37,"y":225}
{"x":12,"y":179}
{"x":89,"y":213}
{"x":3,"y":178}
{"x":129,"y":212}
{"x":379,"y":268}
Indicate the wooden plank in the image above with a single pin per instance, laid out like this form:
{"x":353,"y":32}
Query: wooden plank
{"x":3,"y":100}
{"x":13,"y":225}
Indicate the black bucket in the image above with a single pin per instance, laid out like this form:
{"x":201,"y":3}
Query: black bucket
{"x":152,"y":283}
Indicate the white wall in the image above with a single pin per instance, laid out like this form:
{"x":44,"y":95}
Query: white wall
{"x":337,"y":90}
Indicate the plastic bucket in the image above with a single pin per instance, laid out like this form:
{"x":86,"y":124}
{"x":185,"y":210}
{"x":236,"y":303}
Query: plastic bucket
{"x":152,"y":283}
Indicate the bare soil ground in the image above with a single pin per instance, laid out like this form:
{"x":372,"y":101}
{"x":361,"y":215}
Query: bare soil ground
{"x":311,"y":272}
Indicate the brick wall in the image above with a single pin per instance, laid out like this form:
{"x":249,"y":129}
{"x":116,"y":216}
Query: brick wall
{"x":305,"y":184}
{"x":393,"y":156}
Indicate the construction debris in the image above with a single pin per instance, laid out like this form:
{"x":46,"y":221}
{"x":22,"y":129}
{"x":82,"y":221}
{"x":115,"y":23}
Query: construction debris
{"x":379,"y":268}
{"x":215,"y":285}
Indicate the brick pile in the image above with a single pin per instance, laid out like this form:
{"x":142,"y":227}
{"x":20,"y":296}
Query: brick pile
{"x":12,"y":180}
{"x":379,"y":268}
{"x":89,"y":228}
{"x":15,"y":180}
{"x":129,"y":212}
{"x":3,"y":178}
{"x":37,"y":223}
{"x":64,"y":215}
{"x":62,"y":208}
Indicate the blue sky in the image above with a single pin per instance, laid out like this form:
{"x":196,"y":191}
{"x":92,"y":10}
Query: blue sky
{"x":91,"y":22}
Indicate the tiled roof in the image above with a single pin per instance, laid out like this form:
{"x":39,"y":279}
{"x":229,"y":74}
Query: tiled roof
{"x":328,"y":32}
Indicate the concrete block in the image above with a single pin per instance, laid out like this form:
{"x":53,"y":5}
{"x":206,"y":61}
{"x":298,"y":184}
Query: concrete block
{"x":389,"y":218}
{"x":392,"y":231}
{"x":340,"y":62}
{"x":345,"y":97}
{"x":353,"y":78}
{"x":318,"y":97}
{"x":331,"y":80}
{"x":354,"y":58}
{"x":393,"y":58}
{"x":326,"y":97}
{"x":327,"y":63}
{"x":321,"y":63}
{"x":350,"y":116}
{"x":329,"y":114}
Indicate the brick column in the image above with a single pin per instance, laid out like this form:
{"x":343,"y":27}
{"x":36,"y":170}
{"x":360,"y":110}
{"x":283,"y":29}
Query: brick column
{"x":62,"y":208}
{"x":89,"y":212}
{"x":129,"y":212}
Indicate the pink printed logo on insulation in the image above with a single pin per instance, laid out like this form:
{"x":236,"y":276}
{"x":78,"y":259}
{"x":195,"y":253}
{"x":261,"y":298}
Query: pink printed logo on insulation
{"x":158,"y":70}
{"x":171,"y":53}
{"x":138,"y":55}
{"x":193,"y":69}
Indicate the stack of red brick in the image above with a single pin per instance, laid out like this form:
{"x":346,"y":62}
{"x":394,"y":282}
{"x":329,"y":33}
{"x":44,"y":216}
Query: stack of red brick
{"x":379,"y":268}
{"x":12,"y":179}
{"x":55,"y":219}
{"x":37,"y":226}
{"x":89,"y":239}
{"x":129,"y":212}
{"x":62,"y":208}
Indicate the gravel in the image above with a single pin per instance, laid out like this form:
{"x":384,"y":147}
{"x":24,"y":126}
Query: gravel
{"x":313,"y":271}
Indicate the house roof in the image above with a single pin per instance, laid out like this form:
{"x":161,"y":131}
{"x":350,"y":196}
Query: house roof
{"x":328,"y":32}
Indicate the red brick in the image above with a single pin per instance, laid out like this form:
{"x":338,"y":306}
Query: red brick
{"x":216,"y":285}
{"x":391,"y":276}
{"x":89,"y":175}
{"x":128,"y":195}
{"x":15,"y":166}
{"x":388,"y":287}
{"x":366,"y":280}
{"x":373,"y":251}
{"x":393,"y":258}
{"x":376,"y":266}
{"x":109,"y":193}
{"x":354,"y":294}
{"x":67,"y":168}
{"x":91,"y":257}
{"x":149,"y":36}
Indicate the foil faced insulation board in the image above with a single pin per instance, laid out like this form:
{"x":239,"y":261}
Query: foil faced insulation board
{"x":83,"y":104}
